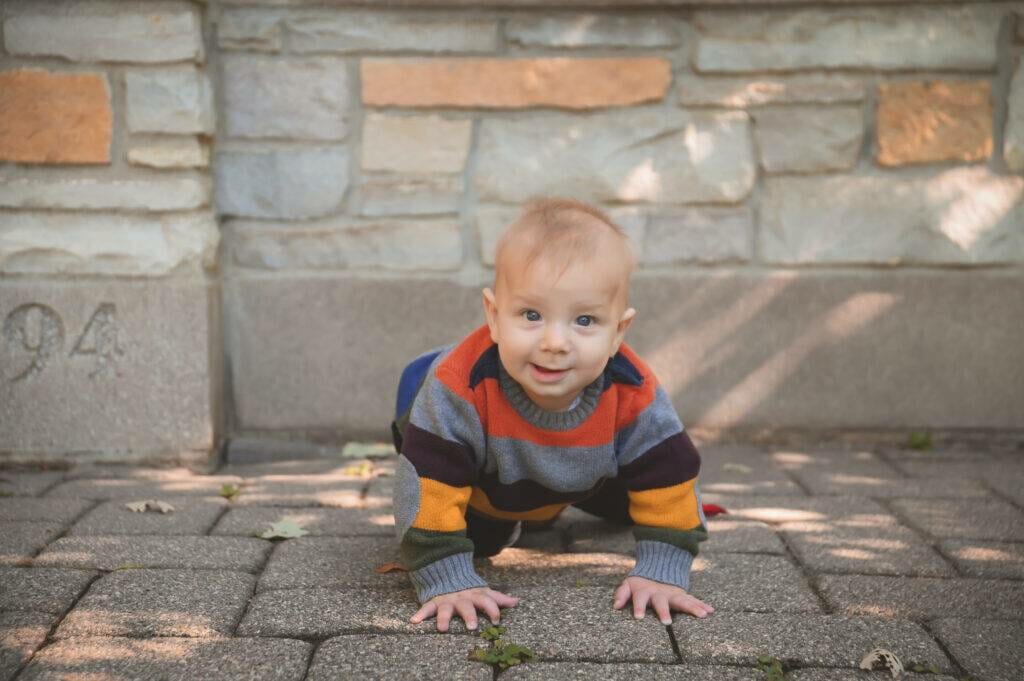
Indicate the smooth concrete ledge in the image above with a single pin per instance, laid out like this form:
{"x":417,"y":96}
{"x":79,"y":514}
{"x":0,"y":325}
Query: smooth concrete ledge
{"x":739,"y":351}
{"x":109,"y":370}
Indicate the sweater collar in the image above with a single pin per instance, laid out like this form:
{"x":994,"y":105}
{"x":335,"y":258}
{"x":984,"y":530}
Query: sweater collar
{"x":543,"y":418}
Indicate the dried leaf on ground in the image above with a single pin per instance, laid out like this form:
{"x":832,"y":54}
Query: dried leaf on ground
{"x":286,"y":528}
{"x":229,"y":491}
{"x":150,"y":505}
{"x":884,"y":657}
{"x":367,"y":450}
{"x":737,"y":468}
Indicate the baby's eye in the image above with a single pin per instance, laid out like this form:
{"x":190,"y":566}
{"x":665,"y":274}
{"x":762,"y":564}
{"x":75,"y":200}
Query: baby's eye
{"x":531,"y":315}
{"x":585,"y":320}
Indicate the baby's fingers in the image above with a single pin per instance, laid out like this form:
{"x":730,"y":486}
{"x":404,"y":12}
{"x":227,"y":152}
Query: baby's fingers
{"x":660,"y":604}
{"x":691,"y":605}
{"x":621,"y":596}
{"x":444,"y":616}
{"x":467,"y":611}
{"x":428,"y":610}
{"x":488,"y":606}
{"x":640,"y":599}
{"x":503,"y":600}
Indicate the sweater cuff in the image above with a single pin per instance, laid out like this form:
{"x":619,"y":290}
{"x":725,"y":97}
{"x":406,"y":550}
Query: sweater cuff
{"x":663,"y":563}
{"x":453,"y":573}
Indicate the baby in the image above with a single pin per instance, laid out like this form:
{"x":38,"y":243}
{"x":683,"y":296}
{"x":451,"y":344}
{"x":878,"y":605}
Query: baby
{"x":543,"y":407}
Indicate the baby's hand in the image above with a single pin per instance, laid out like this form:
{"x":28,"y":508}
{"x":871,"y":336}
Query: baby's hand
{"x":465,"y":603}
{"x":662,"y":597}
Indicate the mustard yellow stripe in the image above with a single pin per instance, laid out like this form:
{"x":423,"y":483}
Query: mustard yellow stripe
{"x":442,"y":507}
{"x":674,"y":507}
{"x":480,"y":502}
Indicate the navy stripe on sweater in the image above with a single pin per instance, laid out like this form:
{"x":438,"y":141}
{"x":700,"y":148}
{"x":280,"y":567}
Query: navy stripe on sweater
{"x":670,"y":462}
{"x":437,"y":458}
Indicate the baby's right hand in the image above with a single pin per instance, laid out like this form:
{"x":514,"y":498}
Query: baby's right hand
{"x":465,"y":603}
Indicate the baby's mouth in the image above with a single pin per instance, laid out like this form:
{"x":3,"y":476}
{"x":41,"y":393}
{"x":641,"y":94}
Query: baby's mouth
{"x":548,"y":371}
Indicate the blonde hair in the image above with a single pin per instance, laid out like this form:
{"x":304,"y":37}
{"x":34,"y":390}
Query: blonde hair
{"x":563,"y":232}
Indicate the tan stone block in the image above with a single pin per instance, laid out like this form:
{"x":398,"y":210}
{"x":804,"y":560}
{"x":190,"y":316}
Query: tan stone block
{"x":929,"y":121}
{"x":514,"y":83}
{"x":50,"y":117}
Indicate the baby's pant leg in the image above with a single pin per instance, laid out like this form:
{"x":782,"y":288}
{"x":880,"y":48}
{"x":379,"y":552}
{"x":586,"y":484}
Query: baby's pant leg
{"x":611,"y":502}
{"x":489,"y":535}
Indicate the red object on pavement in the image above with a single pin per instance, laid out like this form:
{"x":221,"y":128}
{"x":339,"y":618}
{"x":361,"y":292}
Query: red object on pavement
{"x":713,"y":509}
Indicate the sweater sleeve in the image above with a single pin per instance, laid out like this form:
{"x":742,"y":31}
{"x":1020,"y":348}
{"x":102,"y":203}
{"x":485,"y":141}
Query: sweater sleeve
{"x":436,"y":471}
{"x":659,"y":465}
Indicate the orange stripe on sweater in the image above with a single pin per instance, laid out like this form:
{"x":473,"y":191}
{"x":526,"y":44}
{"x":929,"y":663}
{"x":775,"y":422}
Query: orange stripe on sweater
{"x":442,"y":507}
{"x":648,"y":507}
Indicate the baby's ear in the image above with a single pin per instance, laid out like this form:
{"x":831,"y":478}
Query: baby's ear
{"x":624,"y":322}
{"x":491,"y":313}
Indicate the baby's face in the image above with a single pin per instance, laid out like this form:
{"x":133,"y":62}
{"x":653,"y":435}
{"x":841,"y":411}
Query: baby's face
{"x":555,"y":336}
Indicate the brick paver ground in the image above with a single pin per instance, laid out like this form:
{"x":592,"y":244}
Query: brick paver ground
{"x":824,"y":553}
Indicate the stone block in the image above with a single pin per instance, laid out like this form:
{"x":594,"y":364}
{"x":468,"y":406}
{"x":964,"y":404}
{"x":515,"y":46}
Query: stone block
{"x":415,"y":144}
{"x":14,"y":484}
{"x":334,"y":345}
{"x":735,"y":350}
{"x":557,"y":671}
{"x":920,"y":598}
{"x":289,"y":184}
{"x":304,"y":492}
{"x":332,"y":562}
{"x":580,"y":624}
{"x":698,"y":235}
{"x":191,"y":515}
{"x":145,"y":484}
{"x":642,"y":156}
{"x":391,"y":244}
{"x":859,"y":675}
{"x":962,"y":216}
{"x":318,"y":522}
{"x":395,"y":658}
{"x":563,"y":82}
{"x":306,"y":98}
{"x":196,"y":553}
{"x":322,"y":613}
{"x":986,"y":649}
{"x":150,"y":603}
{"x":171,"y":100}
{"x":21,"y":540}
{"x":52,"y":590}
{"x":751,"y":583}
{"x":172,"y":659}
{"x":985,"y":558}
{"x":518,"y":567}
{"x":44,"y":242}
{"x":809,"y":139}
{"x":593,"y":30}
{"x":107,"y":31}
{"x":21,"y":634}
{"x":949,"y":38}
{"x":250,"y":30}
{"x":742,"y":470}
{"x":52,"y":118}
{"x":979,"y":519}
{"x":169,"y":152}
{"x":745,"y":91}
{"x":57,"y":511}
{"x":933,"y":121}
{"x":801,"y":639}
{"x":408,"y":195}
{"x":872,"y":484}
{"x":181,"y":193}
{"x":87,"y":368}
{"x":347,"y":31}
{"x":1013,"y":137}
{"x":740,"y":536}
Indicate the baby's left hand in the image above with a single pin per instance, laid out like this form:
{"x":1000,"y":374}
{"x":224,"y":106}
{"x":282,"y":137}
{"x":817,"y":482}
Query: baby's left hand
{"x":662,"y":597}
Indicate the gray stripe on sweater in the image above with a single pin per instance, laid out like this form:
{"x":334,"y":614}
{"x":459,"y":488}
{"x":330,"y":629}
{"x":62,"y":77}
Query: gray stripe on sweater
{"x":442,"y":412}
{"x":654,"y":424}
{"x":562,"y":469}
{"x":663,"y":563}
{"x":454,"y":573}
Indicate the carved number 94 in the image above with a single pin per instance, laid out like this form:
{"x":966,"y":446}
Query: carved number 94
{"x":39,"y":330}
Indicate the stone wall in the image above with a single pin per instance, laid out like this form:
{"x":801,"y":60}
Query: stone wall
{"x":827,"y":201}
{"x":108,"y":237}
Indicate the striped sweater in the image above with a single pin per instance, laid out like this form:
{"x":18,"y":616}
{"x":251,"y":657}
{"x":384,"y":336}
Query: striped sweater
{"x":472,"y":437}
